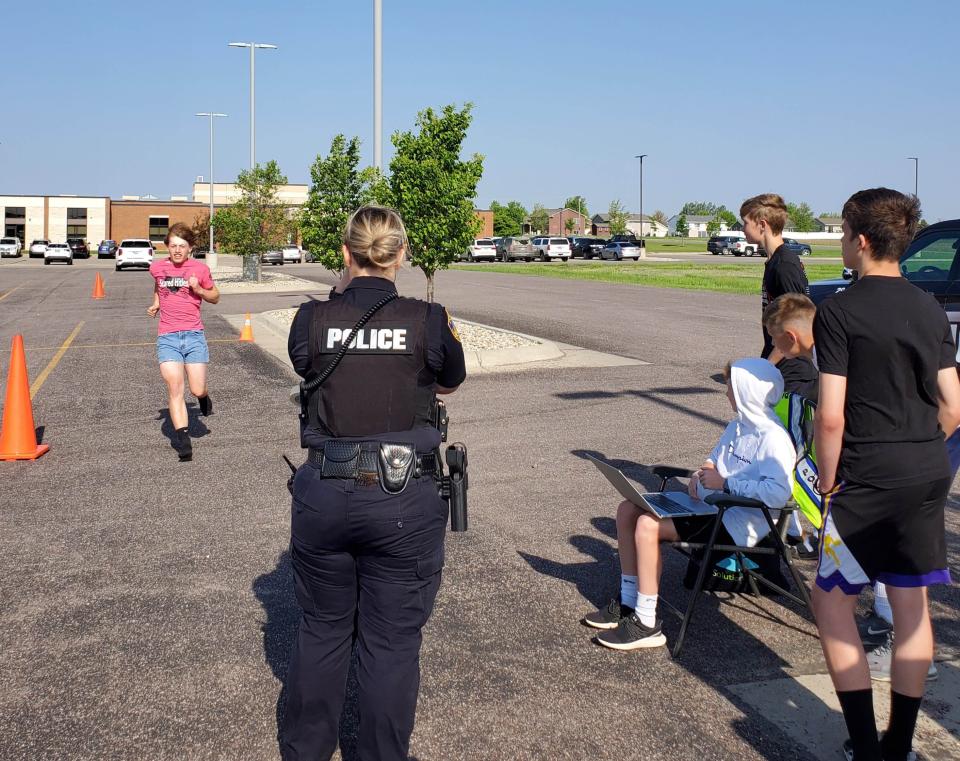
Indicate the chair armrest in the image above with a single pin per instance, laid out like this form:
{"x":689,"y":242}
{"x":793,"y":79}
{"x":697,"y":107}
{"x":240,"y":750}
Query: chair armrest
{"x":719,"y":499}
{"x":668,"y":471}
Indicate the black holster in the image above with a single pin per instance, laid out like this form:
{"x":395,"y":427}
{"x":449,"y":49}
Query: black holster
{"x":453,"y":487}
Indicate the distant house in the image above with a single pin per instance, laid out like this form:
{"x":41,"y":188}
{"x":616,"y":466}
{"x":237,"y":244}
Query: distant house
{"x":829,"y":224}
{"x":647,"y":228}
{"x":697,"y":224}
{"x":557,"y":223}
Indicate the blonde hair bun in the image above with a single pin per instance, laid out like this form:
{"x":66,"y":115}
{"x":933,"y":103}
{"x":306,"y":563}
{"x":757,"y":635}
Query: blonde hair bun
{"x":375,"y":237}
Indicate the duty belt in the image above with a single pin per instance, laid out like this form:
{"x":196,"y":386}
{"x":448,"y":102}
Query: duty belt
{"x":371,"y":462}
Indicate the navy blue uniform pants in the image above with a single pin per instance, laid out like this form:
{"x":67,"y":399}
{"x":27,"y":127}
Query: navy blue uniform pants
{"x":367,"y":568}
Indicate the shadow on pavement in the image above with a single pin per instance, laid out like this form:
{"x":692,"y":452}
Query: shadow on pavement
{"x":197,"y":428}
{"x":275,"y":592}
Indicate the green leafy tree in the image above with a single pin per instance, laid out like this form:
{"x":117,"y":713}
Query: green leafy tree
{"x":257,"y":221}
{"x":618,"y":218}
{"x":700,"y":208}
{"x":801,"y":216}
{"x":683,"y":228}
{"x":727,"y":217}
{"x":539,"y":218}
{"x":920,"y":225}
{"x":713,"y":226}
{"x":433,"y":188}
{"x":570,"y":225}
{"x":508,"y":220}
{"x":337,"y":188}
{"x":659,"y":217}
{"x":577,"y":203}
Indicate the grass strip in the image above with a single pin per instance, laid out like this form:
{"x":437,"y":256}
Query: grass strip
{"x":720,"y":278}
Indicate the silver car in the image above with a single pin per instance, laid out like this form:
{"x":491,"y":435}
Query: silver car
{"x":513,"y":247}
{"x":623,"y":249}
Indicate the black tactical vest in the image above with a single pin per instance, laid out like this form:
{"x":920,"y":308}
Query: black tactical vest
{"x":383,"y":383}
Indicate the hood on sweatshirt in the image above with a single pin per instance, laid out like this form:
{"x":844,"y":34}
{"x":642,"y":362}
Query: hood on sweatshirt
{"x":757,"y":386}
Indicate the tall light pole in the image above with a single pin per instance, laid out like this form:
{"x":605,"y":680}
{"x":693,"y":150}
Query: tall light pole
{"x":643,"y":246}
{"x":916,"y":172}
{"x":211,"y":251}
{"x":378,"y":84}
{"x":254,"y":46}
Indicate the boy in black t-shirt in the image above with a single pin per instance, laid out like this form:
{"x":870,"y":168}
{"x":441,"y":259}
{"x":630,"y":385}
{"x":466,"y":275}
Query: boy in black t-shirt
{"x":888,"y":391}
{"x":764,"y":217}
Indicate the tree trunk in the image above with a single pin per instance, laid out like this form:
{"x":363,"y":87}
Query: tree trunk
{"x":429,"y":287}
{"x":251,"y":267}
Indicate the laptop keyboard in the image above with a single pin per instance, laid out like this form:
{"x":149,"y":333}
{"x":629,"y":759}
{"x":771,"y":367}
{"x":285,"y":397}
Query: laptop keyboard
{"x":666,"y":504}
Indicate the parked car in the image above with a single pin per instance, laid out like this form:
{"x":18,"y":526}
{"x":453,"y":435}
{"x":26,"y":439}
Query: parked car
{"x":483,"y":249}
{"x":931,"y":262}
{"x":272,"y":257}
{"x":618,"y":250}
{"x":10,"y":247}
{"x":513,"y":247}
{"x":134,"y":252}
{"x":723,"y":244}
{"x":800,"y":249}
{"x":292,"y":253}
{"x":742,"y":248}
{"x":107,"y":249}
{"x":551,"y":248}
{"x":586,"y":247}
{"x":58,"y":252}
{"x":79,"y":248}
{"x":38,"y":248}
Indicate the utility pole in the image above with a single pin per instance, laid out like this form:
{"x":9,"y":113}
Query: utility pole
{"x":211,"y":252}
{"x":378,"y":84}
{"x":916,"y":172}
{"x":643,"y":243}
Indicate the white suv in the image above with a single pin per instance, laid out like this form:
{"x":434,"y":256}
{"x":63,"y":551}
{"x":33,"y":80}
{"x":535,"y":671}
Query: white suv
{"x":483,"y":249}
{"x":292,"y":253}
{"x":552,"y":248}
{"x":58,"y":252}
{"x":9,"y":247}
{"x":134,"y":252}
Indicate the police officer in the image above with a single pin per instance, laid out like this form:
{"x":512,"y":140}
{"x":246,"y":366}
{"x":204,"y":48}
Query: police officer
{"x":366,"y":556}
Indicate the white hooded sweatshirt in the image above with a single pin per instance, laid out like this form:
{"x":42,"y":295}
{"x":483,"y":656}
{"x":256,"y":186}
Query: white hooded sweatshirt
{"x":754,"y":454}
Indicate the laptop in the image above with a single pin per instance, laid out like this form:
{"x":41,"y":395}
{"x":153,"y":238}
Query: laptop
{"x":667,"y":504}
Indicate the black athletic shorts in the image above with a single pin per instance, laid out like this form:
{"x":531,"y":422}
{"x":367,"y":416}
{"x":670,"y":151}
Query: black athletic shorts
{"x":896,"y":536}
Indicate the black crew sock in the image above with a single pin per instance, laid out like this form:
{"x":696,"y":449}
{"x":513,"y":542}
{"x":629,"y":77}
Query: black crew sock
{"x":857,"y":706}
{"x":206,"y":406}
{"x":903,"y":720}
{"x":182,"y":444}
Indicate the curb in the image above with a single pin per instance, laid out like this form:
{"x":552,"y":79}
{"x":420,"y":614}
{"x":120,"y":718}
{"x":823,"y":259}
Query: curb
{"x":271,"y":335}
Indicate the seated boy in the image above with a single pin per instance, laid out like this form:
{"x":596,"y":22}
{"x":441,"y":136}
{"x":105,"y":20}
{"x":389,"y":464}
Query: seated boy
{"x":754,"y":458}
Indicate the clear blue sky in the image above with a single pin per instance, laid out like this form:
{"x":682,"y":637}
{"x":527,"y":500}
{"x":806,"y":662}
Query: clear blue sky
{"x":813,"y":100}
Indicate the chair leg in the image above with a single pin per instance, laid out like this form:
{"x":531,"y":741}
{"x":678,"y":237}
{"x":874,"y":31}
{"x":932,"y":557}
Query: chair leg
{"x":698,"y":586}
{"x":794,"y":573}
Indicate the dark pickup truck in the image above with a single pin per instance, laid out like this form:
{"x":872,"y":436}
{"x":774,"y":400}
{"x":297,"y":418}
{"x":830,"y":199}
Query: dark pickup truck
{"x":931,"y":262}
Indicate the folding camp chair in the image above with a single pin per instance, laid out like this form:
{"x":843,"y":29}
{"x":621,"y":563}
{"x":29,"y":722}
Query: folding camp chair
{"x":778,"y":532}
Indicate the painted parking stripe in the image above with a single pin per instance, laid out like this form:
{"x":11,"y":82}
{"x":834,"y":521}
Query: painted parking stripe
{"x":54,"y":361}
{"x":10,"y":291}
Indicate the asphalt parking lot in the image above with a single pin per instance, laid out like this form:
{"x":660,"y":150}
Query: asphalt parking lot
{"x":148,"y":609}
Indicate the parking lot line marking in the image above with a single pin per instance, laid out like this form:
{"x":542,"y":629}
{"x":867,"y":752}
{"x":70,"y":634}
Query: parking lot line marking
{"x":53,"y":362}
{"x":10,"y":291}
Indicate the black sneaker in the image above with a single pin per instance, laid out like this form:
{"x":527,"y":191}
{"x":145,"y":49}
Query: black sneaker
{"x":630,"y":634}
{"x":874,"y":630}
{"x":206,"y":406}
{"x":608,"y":616}
{"x":181,"y":442}
{"x":848,"y":750}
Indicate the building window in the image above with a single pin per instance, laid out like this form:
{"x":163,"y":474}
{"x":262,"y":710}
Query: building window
{"x":159,"y":226}
{"x":77,"y":223}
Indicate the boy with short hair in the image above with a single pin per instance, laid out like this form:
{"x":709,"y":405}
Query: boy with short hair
{"x":754,"y":458}
{"x":888,"y":391}
{"x":764,"y":217}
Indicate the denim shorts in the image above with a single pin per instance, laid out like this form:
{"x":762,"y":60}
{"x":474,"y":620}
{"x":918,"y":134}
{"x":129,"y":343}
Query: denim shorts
{"x":186,"y":346}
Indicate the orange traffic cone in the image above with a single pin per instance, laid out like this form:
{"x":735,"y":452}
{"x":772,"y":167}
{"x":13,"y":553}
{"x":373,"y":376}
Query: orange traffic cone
{"x":98,"y":288}
{"x":18,"y":437}
{"x":247,"y":333}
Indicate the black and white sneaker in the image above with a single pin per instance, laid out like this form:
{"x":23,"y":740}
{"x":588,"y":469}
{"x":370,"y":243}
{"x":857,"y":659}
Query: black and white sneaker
{"x":206,"y":406}
{"x":630,"y":634}
{"x":608,"y":616}
{"x":874,"y":630}
{"x":848,"y":751}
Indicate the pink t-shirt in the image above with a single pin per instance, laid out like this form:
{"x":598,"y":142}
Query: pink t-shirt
{"x":179,"y":305}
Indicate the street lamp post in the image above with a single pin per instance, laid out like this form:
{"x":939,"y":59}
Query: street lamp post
{"x":916,"y":172}
{"x":211,"y":251}
{"x":643,"y":246}
{"x":254,"y":46}
{"x":378,"y":84}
